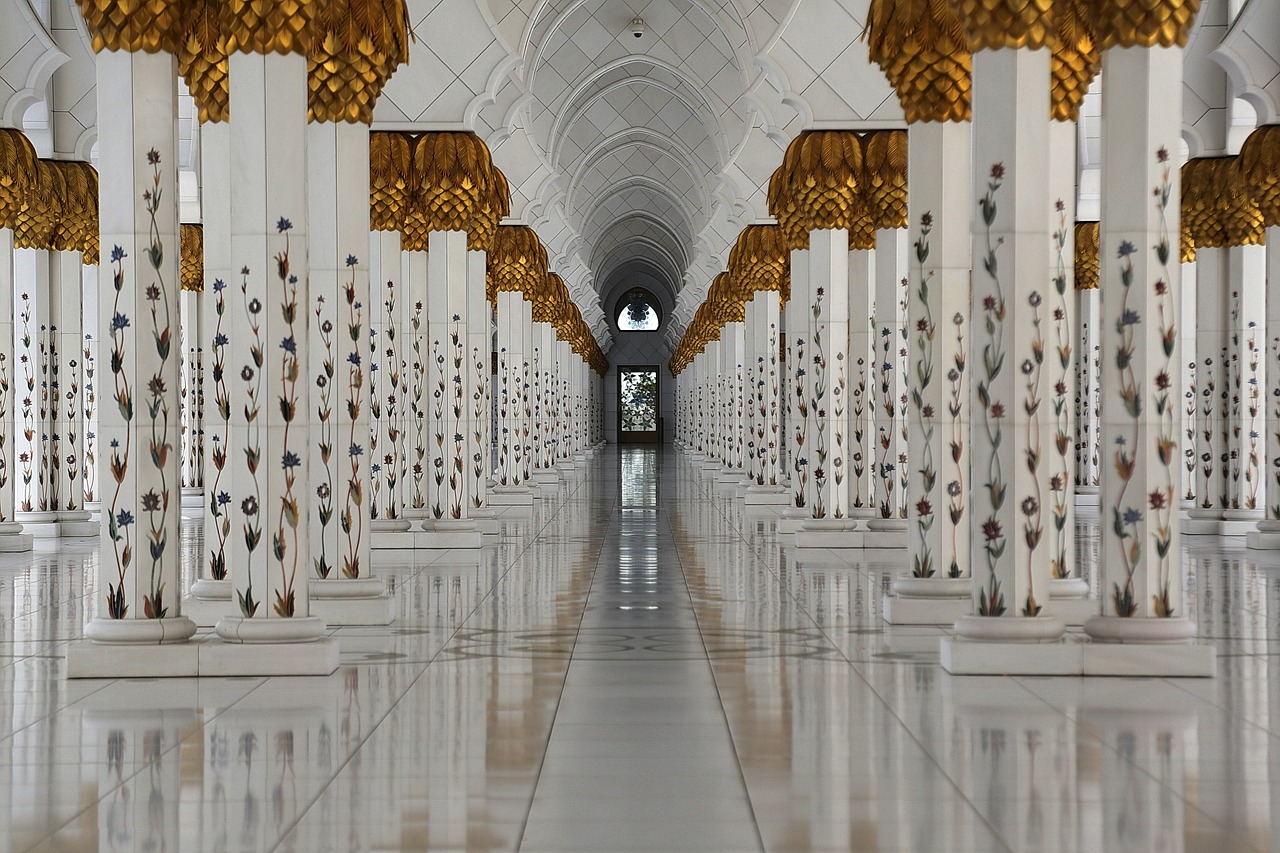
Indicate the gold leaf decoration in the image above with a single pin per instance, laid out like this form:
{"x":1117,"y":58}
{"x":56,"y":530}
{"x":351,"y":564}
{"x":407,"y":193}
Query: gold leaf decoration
{"x":77,"y":227}
{"x":356,"y":45}
{"x":191,"y":259}
{"x":884,"y":187}
{"x":267,"y":26}
{"x":390,"y":178}
{"x":453,"y":189}
{"x":1259,"y":166}
{"x":17,"y":173}
{"x":761,"y":260}
{"x":1217,"y":208}
{"x":1143,"y":23}
{"x":921,"y":47}
{"x":1186,"y":245}
{"x":1076,"y":59}
{"x":997,"y":24}
{"x":1086,"y":256}
{"x":37,"y":221}
{"x":135,"y":26}
{"x":202,"y":61}
{"x":517,"y":262}
{"x":819,"y":188}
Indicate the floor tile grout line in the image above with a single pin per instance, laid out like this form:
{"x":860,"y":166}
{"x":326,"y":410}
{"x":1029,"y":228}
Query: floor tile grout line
{"x":302,"y":813}
{"x":586,"y":601}
{"x":888,"y":709}
{"x":715,"y":684}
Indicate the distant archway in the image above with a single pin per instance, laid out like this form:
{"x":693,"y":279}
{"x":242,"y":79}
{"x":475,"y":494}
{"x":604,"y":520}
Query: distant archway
{"x":638,"y":311}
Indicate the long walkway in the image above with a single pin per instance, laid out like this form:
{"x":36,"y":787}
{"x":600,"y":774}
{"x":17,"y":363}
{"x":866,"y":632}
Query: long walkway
{"x":638,"y":665}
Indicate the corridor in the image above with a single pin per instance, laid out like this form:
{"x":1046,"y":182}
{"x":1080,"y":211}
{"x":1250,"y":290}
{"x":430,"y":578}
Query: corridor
{"x":637,"y":665}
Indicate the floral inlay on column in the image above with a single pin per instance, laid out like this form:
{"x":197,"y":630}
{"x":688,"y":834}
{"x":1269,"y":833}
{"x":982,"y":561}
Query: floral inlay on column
{"x":90,"y":419}
{"x":219,"y":499}
{"x":354,"y":517}
{"x":418,"y":408}
{"x":324,"y":441}
{"x":955,"y":445}
{"x":926,"y":331}
{"x":1060,"y":470}
{"x":991,"y":599}
{"x":251,"y":505}
{"x":285,"y":540}
{"x":119,"y":518}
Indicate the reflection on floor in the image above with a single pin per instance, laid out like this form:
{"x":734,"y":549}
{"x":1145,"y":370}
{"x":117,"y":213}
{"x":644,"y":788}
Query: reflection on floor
{"x":639,"y":665}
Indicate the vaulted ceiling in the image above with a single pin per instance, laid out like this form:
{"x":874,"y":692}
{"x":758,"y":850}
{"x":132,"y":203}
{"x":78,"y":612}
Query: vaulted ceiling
{"x":638,"y":160}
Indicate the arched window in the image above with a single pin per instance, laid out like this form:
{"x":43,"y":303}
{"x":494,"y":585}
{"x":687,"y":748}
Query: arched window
{"x":638,"y":311}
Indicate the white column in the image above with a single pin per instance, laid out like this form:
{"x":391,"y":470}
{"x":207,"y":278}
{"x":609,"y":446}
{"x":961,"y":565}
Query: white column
{"x":337,"y":158}
{"x":863,"y":375}
{"x":66,"y":389}
{"x":733,"y":345}
{"x":508,"y":390}
{"x":192,"y":349}
{"x":418,"y":403}
{"x":828,"y":366}
{"x":1012,"y":416}
{"x":385,"y":376}
{"x":32,"y":317}
{"x":1211,"y":355}
{"x":891,"y":467}
{"x":221,"y":322}
{"x":477,"y":418}
{"x":1141,"y":360}
{"x":938,"y":507}
{"x":270,"y":441}
{"x":1268,"y":533}
{"x":797,"y":321}
{"x":138,"y":588}
{"x":1246,"y":379}
{"x":1088,"y":366}
{"x":1059,"y":363}
{"x":11,"y":536}
{"x":525,"y":417}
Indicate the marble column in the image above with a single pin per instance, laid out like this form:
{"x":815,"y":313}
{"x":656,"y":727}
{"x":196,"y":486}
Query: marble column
{"x":385,"y":377}
{"x":863,"y":376}
{"x":891,"y":479}
{"x":451,"y":273}
{"x":11,"y":536}
{"x":138,"y":584}
{"x":343,"y":588}
{"x":1087,"y":369}
{"x":417,"y":403}
{"x":1246,"y":379}
{"x":828,"y":366}
{"x":1213,"y":403}
{"x":270,"y":440}
{"x":1065,"y":584}
{"x":1267,"y":536}
{"x":1140,"y":548}
{"x":764,"y":313}
{"x":525,"y":413}
{"x":191,"y":337}
{"x":938,"y":312}
{"x":1013,"y":432}
{"x":509,"y":395}
{"x":478,"y":404}
{"x":733,"y":403}
{"x":221,"y":321}
{"x":797,"y":321}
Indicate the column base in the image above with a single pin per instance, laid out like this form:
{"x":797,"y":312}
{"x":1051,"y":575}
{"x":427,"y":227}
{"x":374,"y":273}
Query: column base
{"x":209,"y":602}
{"x":94,"y":508}
{"x":1240,"y":522}
{"x":1088,"y":496}
{"x":767,"y":496}
{"x":1265,"y":538}
{"x":219,"y":658}
{"x":928,"y":601}
{"x":192,"y":502}
{"x":511,"y":496}
{"x":62,"y":524}
{"x":1069,"y":601}
{"x":829,"y":533}
{"x":793,"y":518}
{"x":1135,"y":647}
{"x":87,"y":659}
{"x":449,"y":533}
{"x":1202,"y":522}
{"x":390,"y":533}
{"x":354,"y":601}
{"x":12,"y":539}
{"x":888,"y":533}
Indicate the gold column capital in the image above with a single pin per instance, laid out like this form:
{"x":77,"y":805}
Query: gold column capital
{"x":268,"y":26}
{"x":202,"y":61}
{"x":517,"y":262}
{"x":135,"y":26}
{"x":356,"y":45}
{"x":761,"y":260}
{"x":18,"y":165}
{"x":390,"y":179}
{"x":1259,"y":166}
{"x":1143,"y":23}
{"x":192,"y":258}
{"x":454,"y":189}
{"x":1076,"y":60}
{"x":820,"y":187}
{"x":884,"y":184}
{"x":997,"y":24}
{"x":1087,"y":260}
{"x":922,"y":49}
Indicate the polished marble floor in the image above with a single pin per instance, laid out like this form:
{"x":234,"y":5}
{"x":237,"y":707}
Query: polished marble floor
{"x":640,"y":664}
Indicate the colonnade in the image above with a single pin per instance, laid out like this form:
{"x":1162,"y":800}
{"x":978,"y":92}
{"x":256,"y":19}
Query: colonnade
{"x":309,"y":372}
{"x":1022,"y":397}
